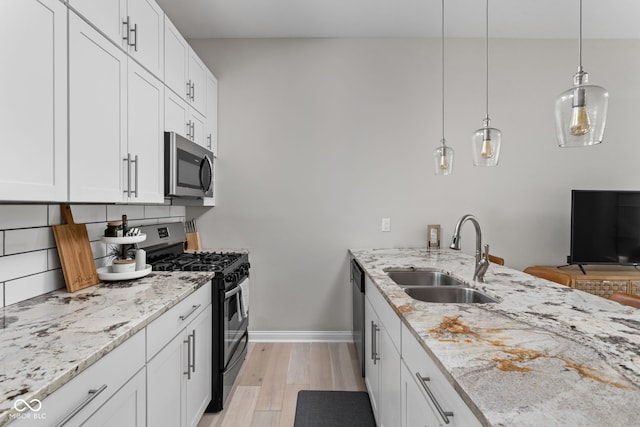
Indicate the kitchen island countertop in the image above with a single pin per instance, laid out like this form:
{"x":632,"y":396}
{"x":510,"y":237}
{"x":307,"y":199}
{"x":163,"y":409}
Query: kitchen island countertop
{"x":545,"y":354}
{"x":48,"y":340}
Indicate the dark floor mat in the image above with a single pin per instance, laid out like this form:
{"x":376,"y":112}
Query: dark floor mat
{"x":333,"y":409}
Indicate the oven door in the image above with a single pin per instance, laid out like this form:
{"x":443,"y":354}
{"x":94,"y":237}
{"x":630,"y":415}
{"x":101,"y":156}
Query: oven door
{"x":235,"y":319}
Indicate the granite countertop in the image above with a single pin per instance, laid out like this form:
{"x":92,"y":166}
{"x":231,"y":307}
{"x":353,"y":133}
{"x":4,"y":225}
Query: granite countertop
{"x":545,"y":354}
{"x":47,"y":340}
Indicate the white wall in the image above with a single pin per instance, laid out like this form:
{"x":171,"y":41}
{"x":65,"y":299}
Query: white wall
{"x":321,"y":138}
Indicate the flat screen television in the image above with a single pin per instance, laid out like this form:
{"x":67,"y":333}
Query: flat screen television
{"x":605,"y":227}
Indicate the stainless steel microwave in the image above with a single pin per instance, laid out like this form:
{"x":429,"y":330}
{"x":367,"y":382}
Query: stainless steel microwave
{"x":188,"y":168}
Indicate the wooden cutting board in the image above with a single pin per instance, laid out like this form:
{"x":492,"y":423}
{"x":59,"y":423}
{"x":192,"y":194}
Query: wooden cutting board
{"x":75,"y":253}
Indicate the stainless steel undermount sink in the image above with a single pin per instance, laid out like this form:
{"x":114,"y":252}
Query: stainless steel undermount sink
{"x":419,"y":278}
{"x":449,"y":294}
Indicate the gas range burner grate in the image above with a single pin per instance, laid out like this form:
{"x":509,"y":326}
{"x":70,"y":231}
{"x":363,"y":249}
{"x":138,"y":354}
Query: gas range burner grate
{"x":196,"y":261}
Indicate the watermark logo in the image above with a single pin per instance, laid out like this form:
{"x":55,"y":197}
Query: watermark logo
{"x":28,"y":410}
{"x":22,"y":405}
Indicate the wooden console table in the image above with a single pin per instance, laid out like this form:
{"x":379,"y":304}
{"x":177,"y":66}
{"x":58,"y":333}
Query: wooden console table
{"x":602,"y":280}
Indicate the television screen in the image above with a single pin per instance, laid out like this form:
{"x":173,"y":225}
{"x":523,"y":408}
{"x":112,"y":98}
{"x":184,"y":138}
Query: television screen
{"x":605,"y":227}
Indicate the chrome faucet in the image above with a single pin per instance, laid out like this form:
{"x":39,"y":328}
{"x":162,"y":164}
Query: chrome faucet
{"x":482,"y":260}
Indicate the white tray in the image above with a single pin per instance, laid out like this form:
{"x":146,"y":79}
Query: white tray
{"x":104,"y":273}
{"x":127,"y":240}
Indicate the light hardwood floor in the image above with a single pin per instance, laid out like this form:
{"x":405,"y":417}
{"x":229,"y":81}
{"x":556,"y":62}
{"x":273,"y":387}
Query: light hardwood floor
{"x":266,"y":390}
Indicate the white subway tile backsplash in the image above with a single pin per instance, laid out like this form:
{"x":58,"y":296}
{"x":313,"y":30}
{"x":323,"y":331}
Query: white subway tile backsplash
{"x":14,"y":266}
{"x":28,"y":240}
{"x":21,"y":216}
{"x":178,"y":211}
{"x":53,"y":260}
{"x":115,"y":212}
{"x":157,"y":211}
{"x":32,"y":286}
{"x":29,"y":262}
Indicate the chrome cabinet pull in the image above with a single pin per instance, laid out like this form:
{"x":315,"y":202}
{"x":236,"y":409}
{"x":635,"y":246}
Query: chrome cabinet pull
{"x":192,"y":92}
{"x":209,"y":139}
{"x":193,"y":130}
{"x":444,"y":414}
{"x":193,"y":352}
{"x":193,"y":310}
{"x":134,"y":30}
{"x":374,"y":343}
{"x":127,"y":24}
{"x":189,"y":89}
{"x":128,"y":160}
{"x":93,"y":393}
{"x":188,"y":343}
{"x":135,"y":192}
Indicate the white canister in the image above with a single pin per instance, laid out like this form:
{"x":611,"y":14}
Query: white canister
{"x":141,"y":259}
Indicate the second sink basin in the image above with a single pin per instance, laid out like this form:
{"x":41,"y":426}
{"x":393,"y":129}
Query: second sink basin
{"x":448,"y":295}
{"x":411,"y":278}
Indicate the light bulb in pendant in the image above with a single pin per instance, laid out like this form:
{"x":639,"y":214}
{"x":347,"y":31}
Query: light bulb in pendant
{"x":443,"y":161}
{"x":579,"y":124}
{"x":487,"y":150}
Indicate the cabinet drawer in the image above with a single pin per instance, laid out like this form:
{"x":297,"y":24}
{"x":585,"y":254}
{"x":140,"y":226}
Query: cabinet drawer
{"x":107,"y":376}
{"x":167,"y":326}
{"x":385,"y":313}
{"x":419,"y":362}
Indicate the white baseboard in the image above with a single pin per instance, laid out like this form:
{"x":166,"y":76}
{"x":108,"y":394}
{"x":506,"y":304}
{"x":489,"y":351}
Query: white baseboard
{"x":300,"y":336}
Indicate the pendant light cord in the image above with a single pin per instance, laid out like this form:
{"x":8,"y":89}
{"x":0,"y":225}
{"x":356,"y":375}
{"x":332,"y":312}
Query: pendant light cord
{"x":442,"y":45}
{"x":580,"y":40}
{"x":487,"y":54}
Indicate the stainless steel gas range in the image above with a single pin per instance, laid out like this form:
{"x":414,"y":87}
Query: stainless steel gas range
{"x":164,"y":247}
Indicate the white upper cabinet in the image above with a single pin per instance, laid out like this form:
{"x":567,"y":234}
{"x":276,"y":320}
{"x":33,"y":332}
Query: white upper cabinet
{"x":176,"y":60}
{"x":97,"y":115}
{"x":185,"y":73}
{"x":197,"y":80}
{"x":211,"y":131}
{"x":33,"y":106}
{"x":106,"y":15}
{"x":143,"y":34}
{"x":143,"y":174}
{"x":136,"y":25}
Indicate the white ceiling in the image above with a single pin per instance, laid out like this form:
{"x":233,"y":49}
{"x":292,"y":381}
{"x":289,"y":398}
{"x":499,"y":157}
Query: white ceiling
{"x":402,"y":18}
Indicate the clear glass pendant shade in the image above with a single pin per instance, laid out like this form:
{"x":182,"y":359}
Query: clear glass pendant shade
{"x":443,"y":159}
{"x":485,"y":145}
{"x":581,"y":113}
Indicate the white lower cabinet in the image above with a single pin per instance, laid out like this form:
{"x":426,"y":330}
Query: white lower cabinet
{"x":428,"y":399}
{"x":382,"y":357}
{"x":179,"y":375}
{"x":111,"y":392}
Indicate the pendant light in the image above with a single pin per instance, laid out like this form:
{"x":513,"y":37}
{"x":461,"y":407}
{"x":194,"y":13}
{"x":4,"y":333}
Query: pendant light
{"x":443,"y":155}
{"x":581,"y":112}
{"x":485,"y":142}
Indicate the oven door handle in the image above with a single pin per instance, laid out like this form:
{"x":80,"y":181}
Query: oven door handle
{"x":231,"y":293}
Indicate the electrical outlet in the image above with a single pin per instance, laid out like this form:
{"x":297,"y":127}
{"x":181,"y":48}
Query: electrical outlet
{"x":386,"y":224}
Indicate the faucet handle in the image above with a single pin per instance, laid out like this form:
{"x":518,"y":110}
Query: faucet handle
{"x":486,"y":251}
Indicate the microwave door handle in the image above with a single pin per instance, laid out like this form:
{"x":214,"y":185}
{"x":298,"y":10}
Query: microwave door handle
{"x":206,"y":163}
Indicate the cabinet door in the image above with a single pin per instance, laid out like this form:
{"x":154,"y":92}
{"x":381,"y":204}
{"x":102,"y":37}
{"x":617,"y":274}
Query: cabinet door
{"x":146,"y":30}
{"x":389,"y":397}
{"x":416,"y":410}
{"x":176,"y":60}
{"x":197,"y":78}
{"x":197,"y":122}
{"x":97,"y":115}
{"x":211,"y":132}
{"x":371,"y":362}
{"x":106,"y":15}
{"x":176,"y":114}
{"x":33,"y":114}
{"x":145,"y":136}
{"x":126,"y":408}
{"x":198,"y":387}
{"x":164,"y":385}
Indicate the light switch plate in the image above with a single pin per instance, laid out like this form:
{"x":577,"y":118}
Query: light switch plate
{"x":386,"y":224}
